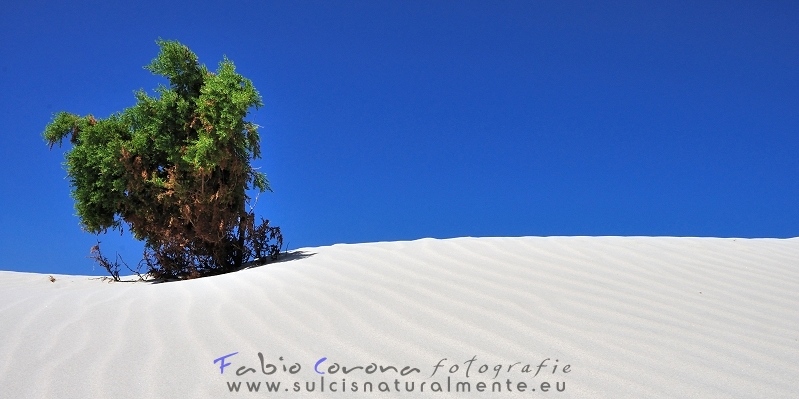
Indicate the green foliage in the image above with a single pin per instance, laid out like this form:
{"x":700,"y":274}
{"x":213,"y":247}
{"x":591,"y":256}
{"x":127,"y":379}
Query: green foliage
{"x":175,"y":167}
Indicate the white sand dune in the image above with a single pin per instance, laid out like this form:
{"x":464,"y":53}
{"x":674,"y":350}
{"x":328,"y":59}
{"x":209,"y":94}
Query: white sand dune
{"x":631,"y":317}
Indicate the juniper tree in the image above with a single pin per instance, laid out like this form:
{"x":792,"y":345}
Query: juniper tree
{"x":175,"y":168}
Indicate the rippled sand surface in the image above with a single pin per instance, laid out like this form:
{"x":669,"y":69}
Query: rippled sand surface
{"x":631,"y":317}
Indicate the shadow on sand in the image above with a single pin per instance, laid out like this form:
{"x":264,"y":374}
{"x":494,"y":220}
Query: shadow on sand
{"x":283,"y":257}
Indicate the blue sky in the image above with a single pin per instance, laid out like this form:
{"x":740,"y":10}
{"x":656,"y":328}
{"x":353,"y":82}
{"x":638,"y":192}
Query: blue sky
{"x":409,"y":119}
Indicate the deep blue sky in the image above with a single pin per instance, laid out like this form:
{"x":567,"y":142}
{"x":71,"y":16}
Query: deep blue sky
{"x":409,"y":119}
